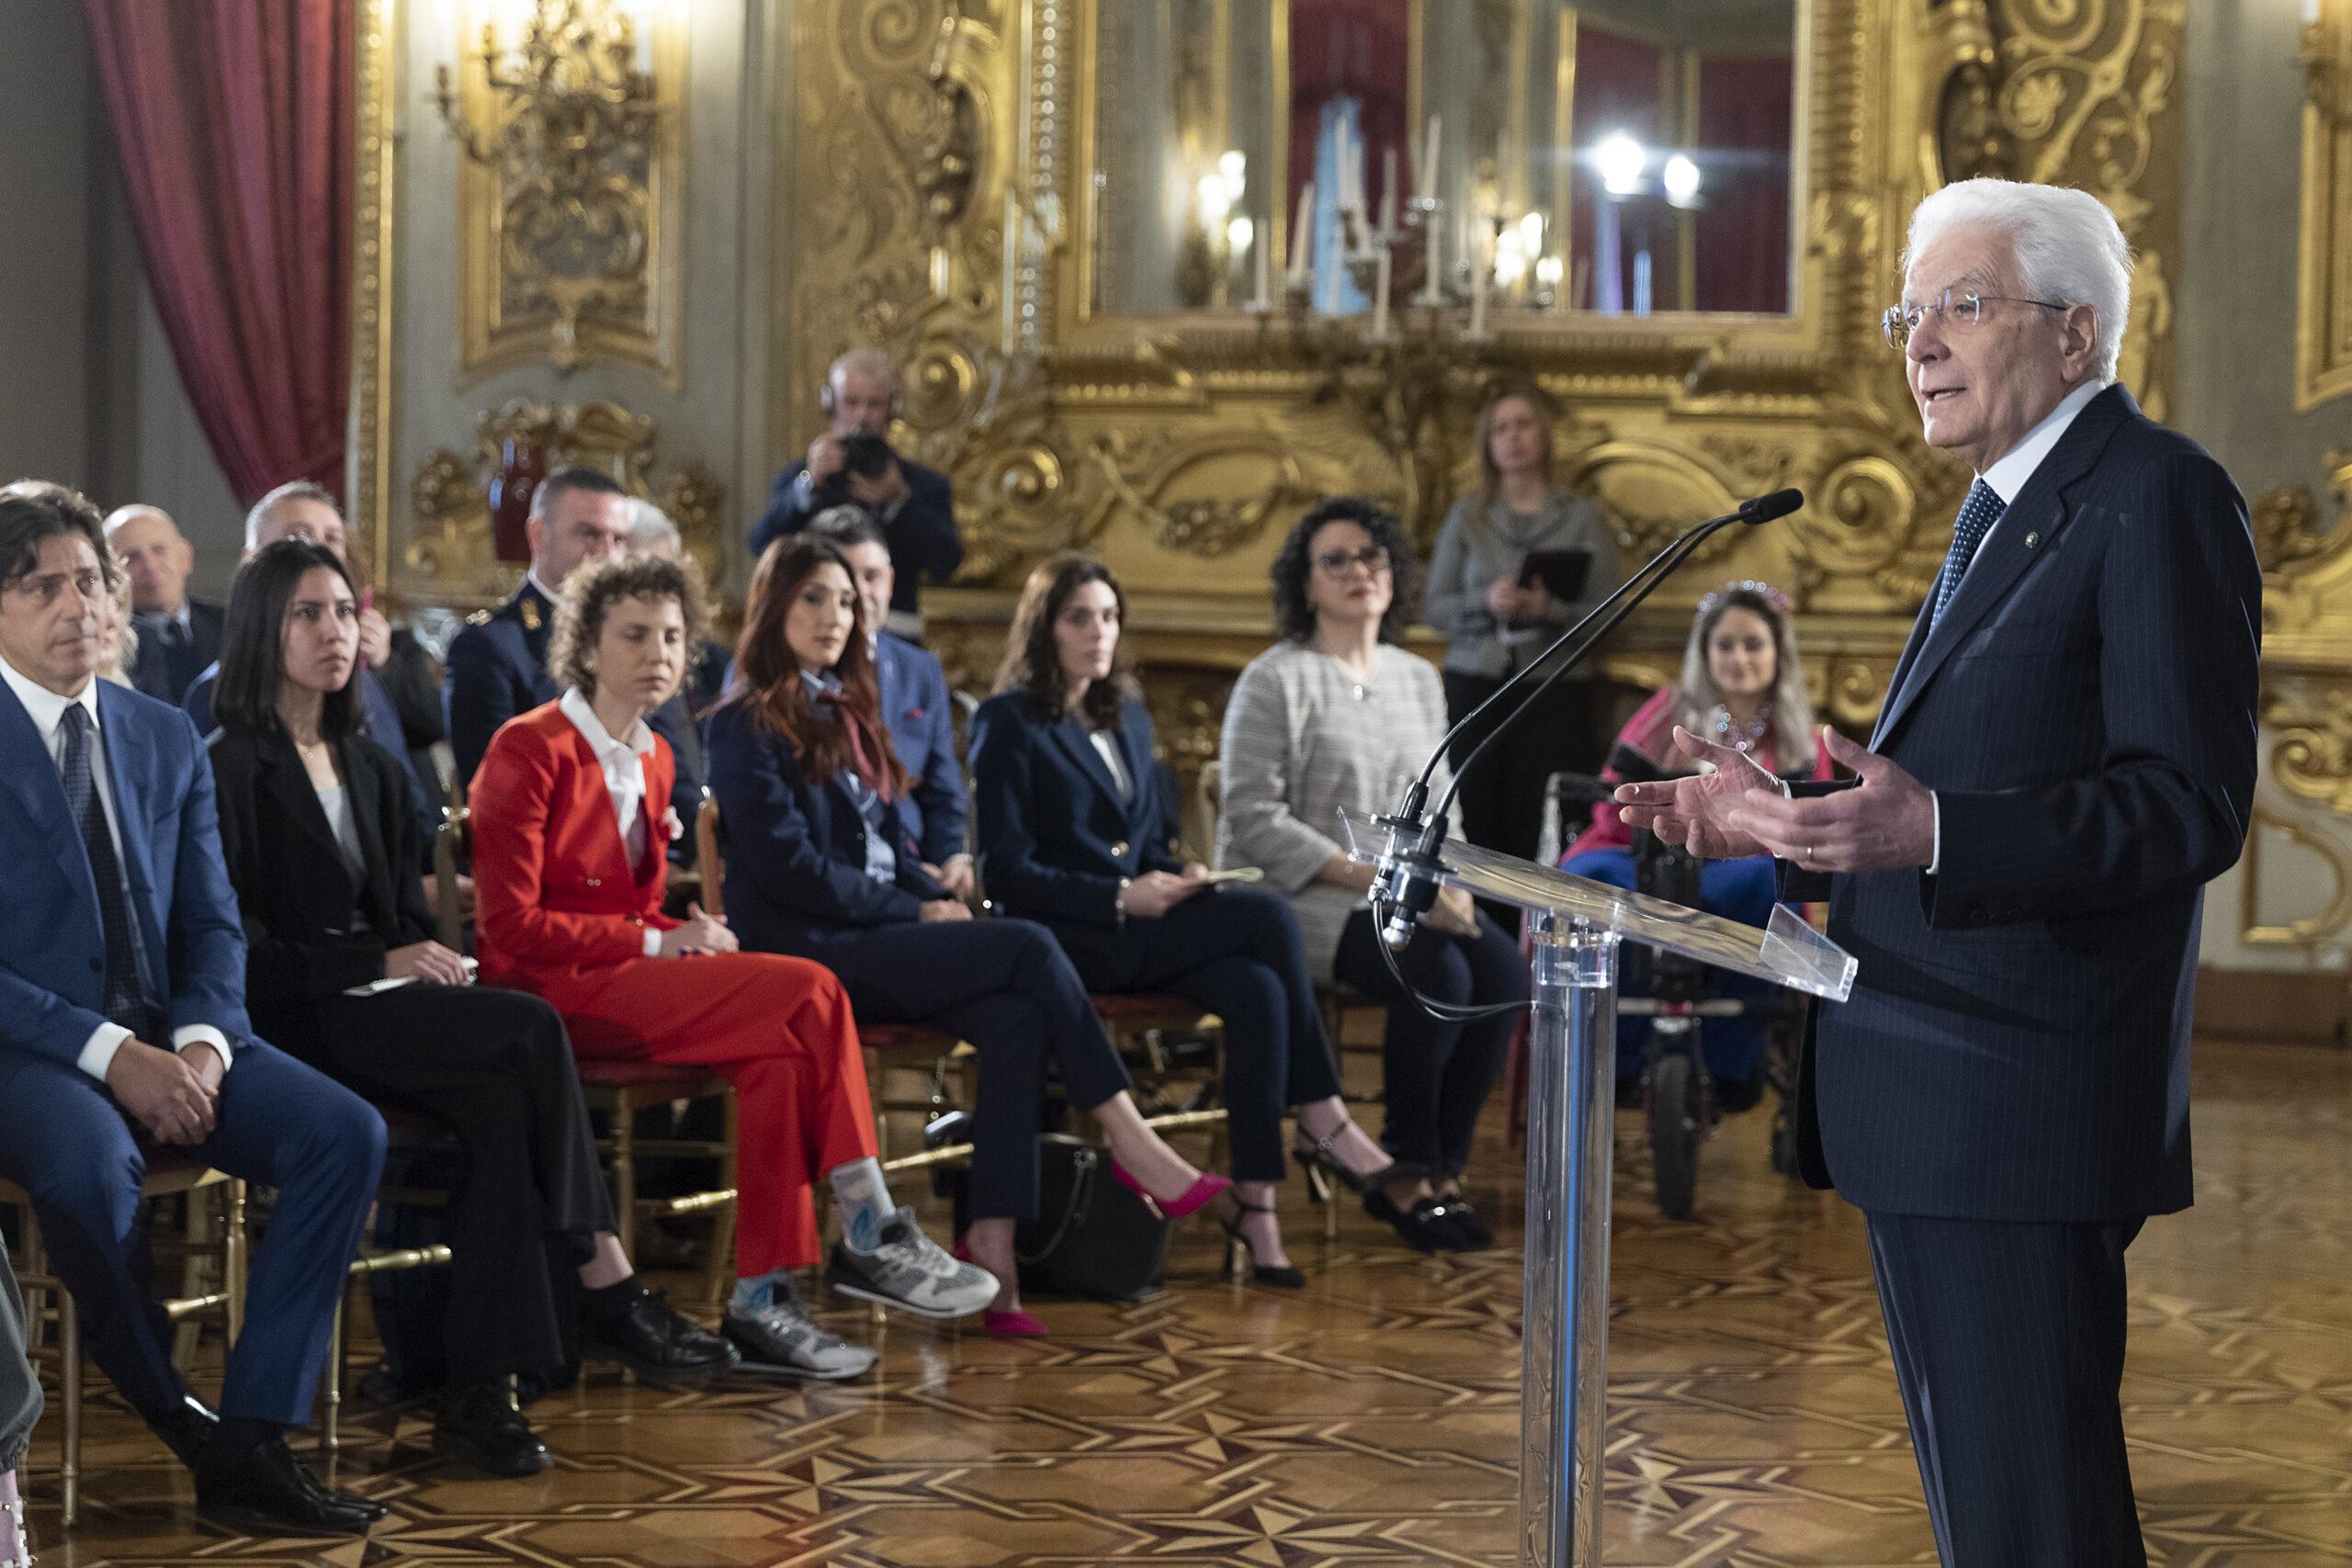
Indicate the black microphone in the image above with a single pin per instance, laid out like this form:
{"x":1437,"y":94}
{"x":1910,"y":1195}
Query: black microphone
{"x":1410,"y":888}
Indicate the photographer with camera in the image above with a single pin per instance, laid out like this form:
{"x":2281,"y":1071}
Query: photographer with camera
{"x":853,"y":464}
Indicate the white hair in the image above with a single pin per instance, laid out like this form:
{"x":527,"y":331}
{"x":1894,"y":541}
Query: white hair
{"x":2070,"y":250}
{"x":871,"y":361}
{"x":651,"y":530}
{"x":292,"y":490}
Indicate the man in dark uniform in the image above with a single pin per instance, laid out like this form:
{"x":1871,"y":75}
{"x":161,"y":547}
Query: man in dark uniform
{"x":498,"y":665}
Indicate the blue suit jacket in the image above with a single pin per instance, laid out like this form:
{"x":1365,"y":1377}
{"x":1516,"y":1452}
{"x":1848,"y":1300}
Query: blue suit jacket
{"x":162,"y":671}
{"x":796,"y":846}
{"x":52,"y":946}
{"x":2017,"y":1044}
{"x":915,"y":706}
{"x":1054,"y":836}
{"x":498,"y":668}
{"x":925,"y":540}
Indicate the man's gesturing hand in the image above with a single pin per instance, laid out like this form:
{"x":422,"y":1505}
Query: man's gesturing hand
{"x":1695,"y":811}
{"x":1887,"y":822}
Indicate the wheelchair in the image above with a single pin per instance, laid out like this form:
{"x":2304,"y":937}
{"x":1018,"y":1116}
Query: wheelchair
{"x":1681,"y":1101}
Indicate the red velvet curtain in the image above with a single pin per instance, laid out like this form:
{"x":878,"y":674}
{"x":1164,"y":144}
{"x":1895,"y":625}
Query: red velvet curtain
{"x":1743,"y":226}
{"x":232,"y":119}
{"x":1350,"y":49}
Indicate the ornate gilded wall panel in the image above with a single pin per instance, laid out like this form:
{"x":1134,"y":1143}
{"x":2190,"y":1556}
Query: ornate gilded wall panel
{"x":570,"y":189}
{"x":2324,"y":317}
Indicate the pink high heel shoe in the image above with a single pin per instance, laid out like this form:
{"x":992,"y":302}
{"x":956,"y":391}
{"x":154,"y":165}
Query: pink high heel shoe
{"x":1014,"y":1325}
{"x":1202,"y":1193}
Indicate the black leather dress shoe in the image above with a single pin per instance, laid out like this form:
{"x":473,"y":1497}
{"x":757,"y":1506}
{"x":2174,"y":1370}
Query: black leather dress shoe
{"x":639,"y":1329}
{"x":187,"y":1429}
{"x":265,"y":1489}
{"x":1422,"y":1227}
{"x":478,"y":1424}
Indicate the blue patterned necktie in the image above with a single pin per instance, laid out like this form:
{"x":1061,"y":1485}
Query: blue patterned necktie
{"x":126,"y":999}
{"x":1977,"y":514}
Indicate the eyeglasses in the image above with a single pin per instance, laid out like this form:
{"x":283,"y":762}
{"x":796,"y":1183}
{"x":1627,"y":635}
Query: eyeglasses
{"x":1372,"y":557}
{"x":1958,"y":310}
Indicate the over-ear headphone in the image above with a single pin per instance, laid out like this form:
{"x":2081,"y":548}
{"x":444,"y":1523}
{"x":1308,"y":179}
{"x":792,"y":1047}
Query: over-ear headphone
{"x":825,"y":394}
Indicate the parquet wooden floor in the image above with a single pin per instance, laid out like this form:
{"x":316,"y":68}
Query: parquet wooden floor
{"x":1371,"y":1421}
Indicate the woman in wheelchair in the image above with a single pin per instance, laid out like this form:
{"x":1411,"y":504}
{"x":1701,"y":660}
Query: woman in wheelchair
{"x":1742,"y":685}
{"x":820,"y":867}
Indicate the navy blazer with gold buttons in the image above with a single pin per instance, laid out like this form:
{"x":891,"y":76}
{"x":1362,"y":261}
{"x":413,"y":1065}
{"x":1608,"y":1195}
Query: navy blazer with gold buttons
{"x":1055,"y":837}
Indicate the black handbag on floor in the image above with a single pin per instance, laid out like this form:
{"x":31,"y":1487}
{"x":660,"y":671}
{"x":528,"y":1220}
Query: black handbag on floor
{"x":1091,"y":1236}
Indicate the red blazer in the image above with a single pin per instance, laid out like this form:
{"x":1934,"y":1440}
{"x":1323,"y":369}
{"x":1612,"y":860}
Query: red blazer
{"x":555,"y":899}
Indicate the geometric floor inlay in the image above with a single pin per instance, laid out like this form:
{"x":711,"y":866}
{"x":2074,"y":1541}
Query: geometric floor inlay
{"x":1372,"y":1419}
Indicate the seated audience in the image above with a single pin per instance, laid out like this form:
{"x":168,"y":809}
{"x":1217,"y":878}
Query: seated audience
{"x":1336,"y":717}
{"x":1742,"y":686}
{"x":912,"y":690}
{"x":323,"y":858}
{"x":498,"y":665}
{"x":821,"y":866}
{"x":1489,"y":597}
{"x":652,"y":533}
{"x":181,"y":634}
{"x":399,"y":703}
{"x":123,"y":1029}
{"x":852,"y":464}
{"x":19,"y":1409}
{"x":569,"y":830}
{"x":1076,"y":832}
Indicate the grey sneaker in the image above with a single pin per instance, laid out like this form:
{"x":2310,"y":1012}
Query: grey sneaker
{"x":909,"y":1270}
{"x":779,"y":1340}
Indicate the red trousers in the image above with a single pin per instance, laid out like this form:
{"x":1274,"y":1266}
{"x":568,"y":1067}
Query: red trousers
{"x":779,"y":1030}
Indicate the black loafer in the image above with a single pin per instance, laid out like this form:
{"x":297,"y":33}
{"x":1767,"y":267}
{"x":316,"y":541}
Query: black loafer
{"x":266,"y":1490}
{"x":1475,"y":1235}
{"x":1422,"y":1228}
{"x":642,"y":1333}
{"x":478,"y":1424}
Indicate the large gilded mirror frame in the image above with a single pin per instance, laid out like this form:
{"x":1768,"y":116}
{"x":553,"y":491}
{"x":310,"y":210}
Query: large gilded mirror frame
{"x":929,"y":154}
{"x":939,"y":151}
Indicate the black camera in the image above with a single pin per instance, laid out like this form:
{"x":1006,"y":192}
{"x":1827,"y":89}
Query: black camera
{"x":867,"y":456}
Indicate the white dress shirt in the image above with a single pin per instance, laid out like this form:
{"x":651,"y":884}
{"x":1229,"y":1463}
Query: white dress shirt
{"x":1107,"y":748}
{"x":623,"y":763}
{"x":47,"y":710}
{"x":2005,"y":479}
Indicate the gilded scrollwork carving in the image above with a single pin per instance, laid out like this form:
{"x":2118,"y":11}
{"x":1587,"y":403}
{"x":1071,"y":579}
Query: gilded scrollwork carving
{"x":2324,"y":301}
{"x":570,"y":191}
{"x":450,"y":541}
{"x":2300,"y":930}
{"x":2311,"y":724}
{"x":2286,"y":526}
{"x":1140,"y":473}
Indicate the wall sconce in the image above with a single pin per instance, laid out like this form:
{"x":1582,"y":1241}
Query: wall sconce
{"x":1220,"y":234}
{"x":578,"y":74}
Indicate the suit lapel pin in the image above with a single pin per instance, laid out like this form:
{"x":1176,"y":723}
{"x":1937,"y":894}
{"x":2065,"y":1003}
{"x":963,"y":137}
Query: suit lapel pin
{"x":2031,"y":540}
{"x":530,"y":615}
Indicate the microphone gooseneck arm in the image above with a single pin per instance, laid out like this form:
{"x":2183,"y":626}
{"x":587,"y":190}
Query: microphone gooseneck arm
{"x":1407,"y":883}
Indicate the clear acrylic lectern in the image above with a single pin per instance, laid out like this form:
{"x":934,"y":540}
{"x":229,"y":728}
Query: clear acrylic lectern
{"x":1575,"y":926}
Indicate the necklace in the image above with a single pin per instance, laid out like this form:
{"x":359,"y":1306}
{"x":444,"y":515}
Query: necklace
{"x":1747,"y":734}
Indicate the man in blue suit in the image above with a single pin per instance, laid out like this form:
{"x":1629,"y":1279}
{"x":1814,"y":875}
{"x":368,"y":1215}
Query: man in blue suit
{"x":498,"y":665}
{"x":915,"y":505}
{"x":2066,"y":756}
{"x":915,"y":704}
{"x":178,"y":635}
{"x":122,"y":1026}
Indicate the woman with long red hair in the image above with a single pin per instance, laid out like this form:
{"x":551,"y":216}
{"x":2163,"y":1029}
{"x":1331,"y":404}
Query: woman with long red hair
{"x":570,"y":853}
{"x":821,"y":866}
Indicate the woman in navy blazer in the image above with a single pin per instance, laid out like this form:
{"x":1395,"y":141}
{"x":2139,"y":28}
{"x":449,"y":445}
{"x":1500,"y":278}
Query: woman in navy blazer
{"x":1076,"y":828}
{"x":821,"y":866}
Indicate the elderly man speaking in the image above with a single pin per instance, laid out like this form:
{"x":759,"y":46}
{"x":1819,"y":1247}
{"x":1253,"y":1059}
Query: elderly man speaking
{"x":2066,"y":757}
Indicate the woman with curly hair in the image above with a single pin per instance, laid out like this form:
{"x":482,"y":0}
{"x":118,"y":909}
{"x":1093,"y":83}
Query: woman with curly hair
{"x":570,"y":853}
{"x":1336,"y":717}
{"x":1076,"y":830}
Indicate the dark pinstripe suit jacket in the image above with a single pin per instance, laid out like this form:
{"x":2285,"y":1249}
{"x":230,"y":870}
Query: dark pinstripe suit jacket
{"x":2017,"y":1044}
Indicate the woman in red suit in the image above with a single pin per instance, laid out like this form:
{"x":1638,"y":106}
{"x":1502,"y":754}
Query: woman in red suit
{"x":569,"y":859}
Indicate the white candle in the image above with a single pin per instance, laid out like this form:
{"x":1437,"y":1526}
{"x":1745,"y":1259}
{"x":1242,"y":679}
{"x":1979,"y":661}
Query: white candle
{"x":1433,"y":259}
{"x":1012,"y":284}
{"x":1380,"y":295}
{"x":1301,"y":236}
{"x":1481,"y":269}
{"x":1262,"y":251}
{"x":1388,"y":191}
{"x":1426,"y":185}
